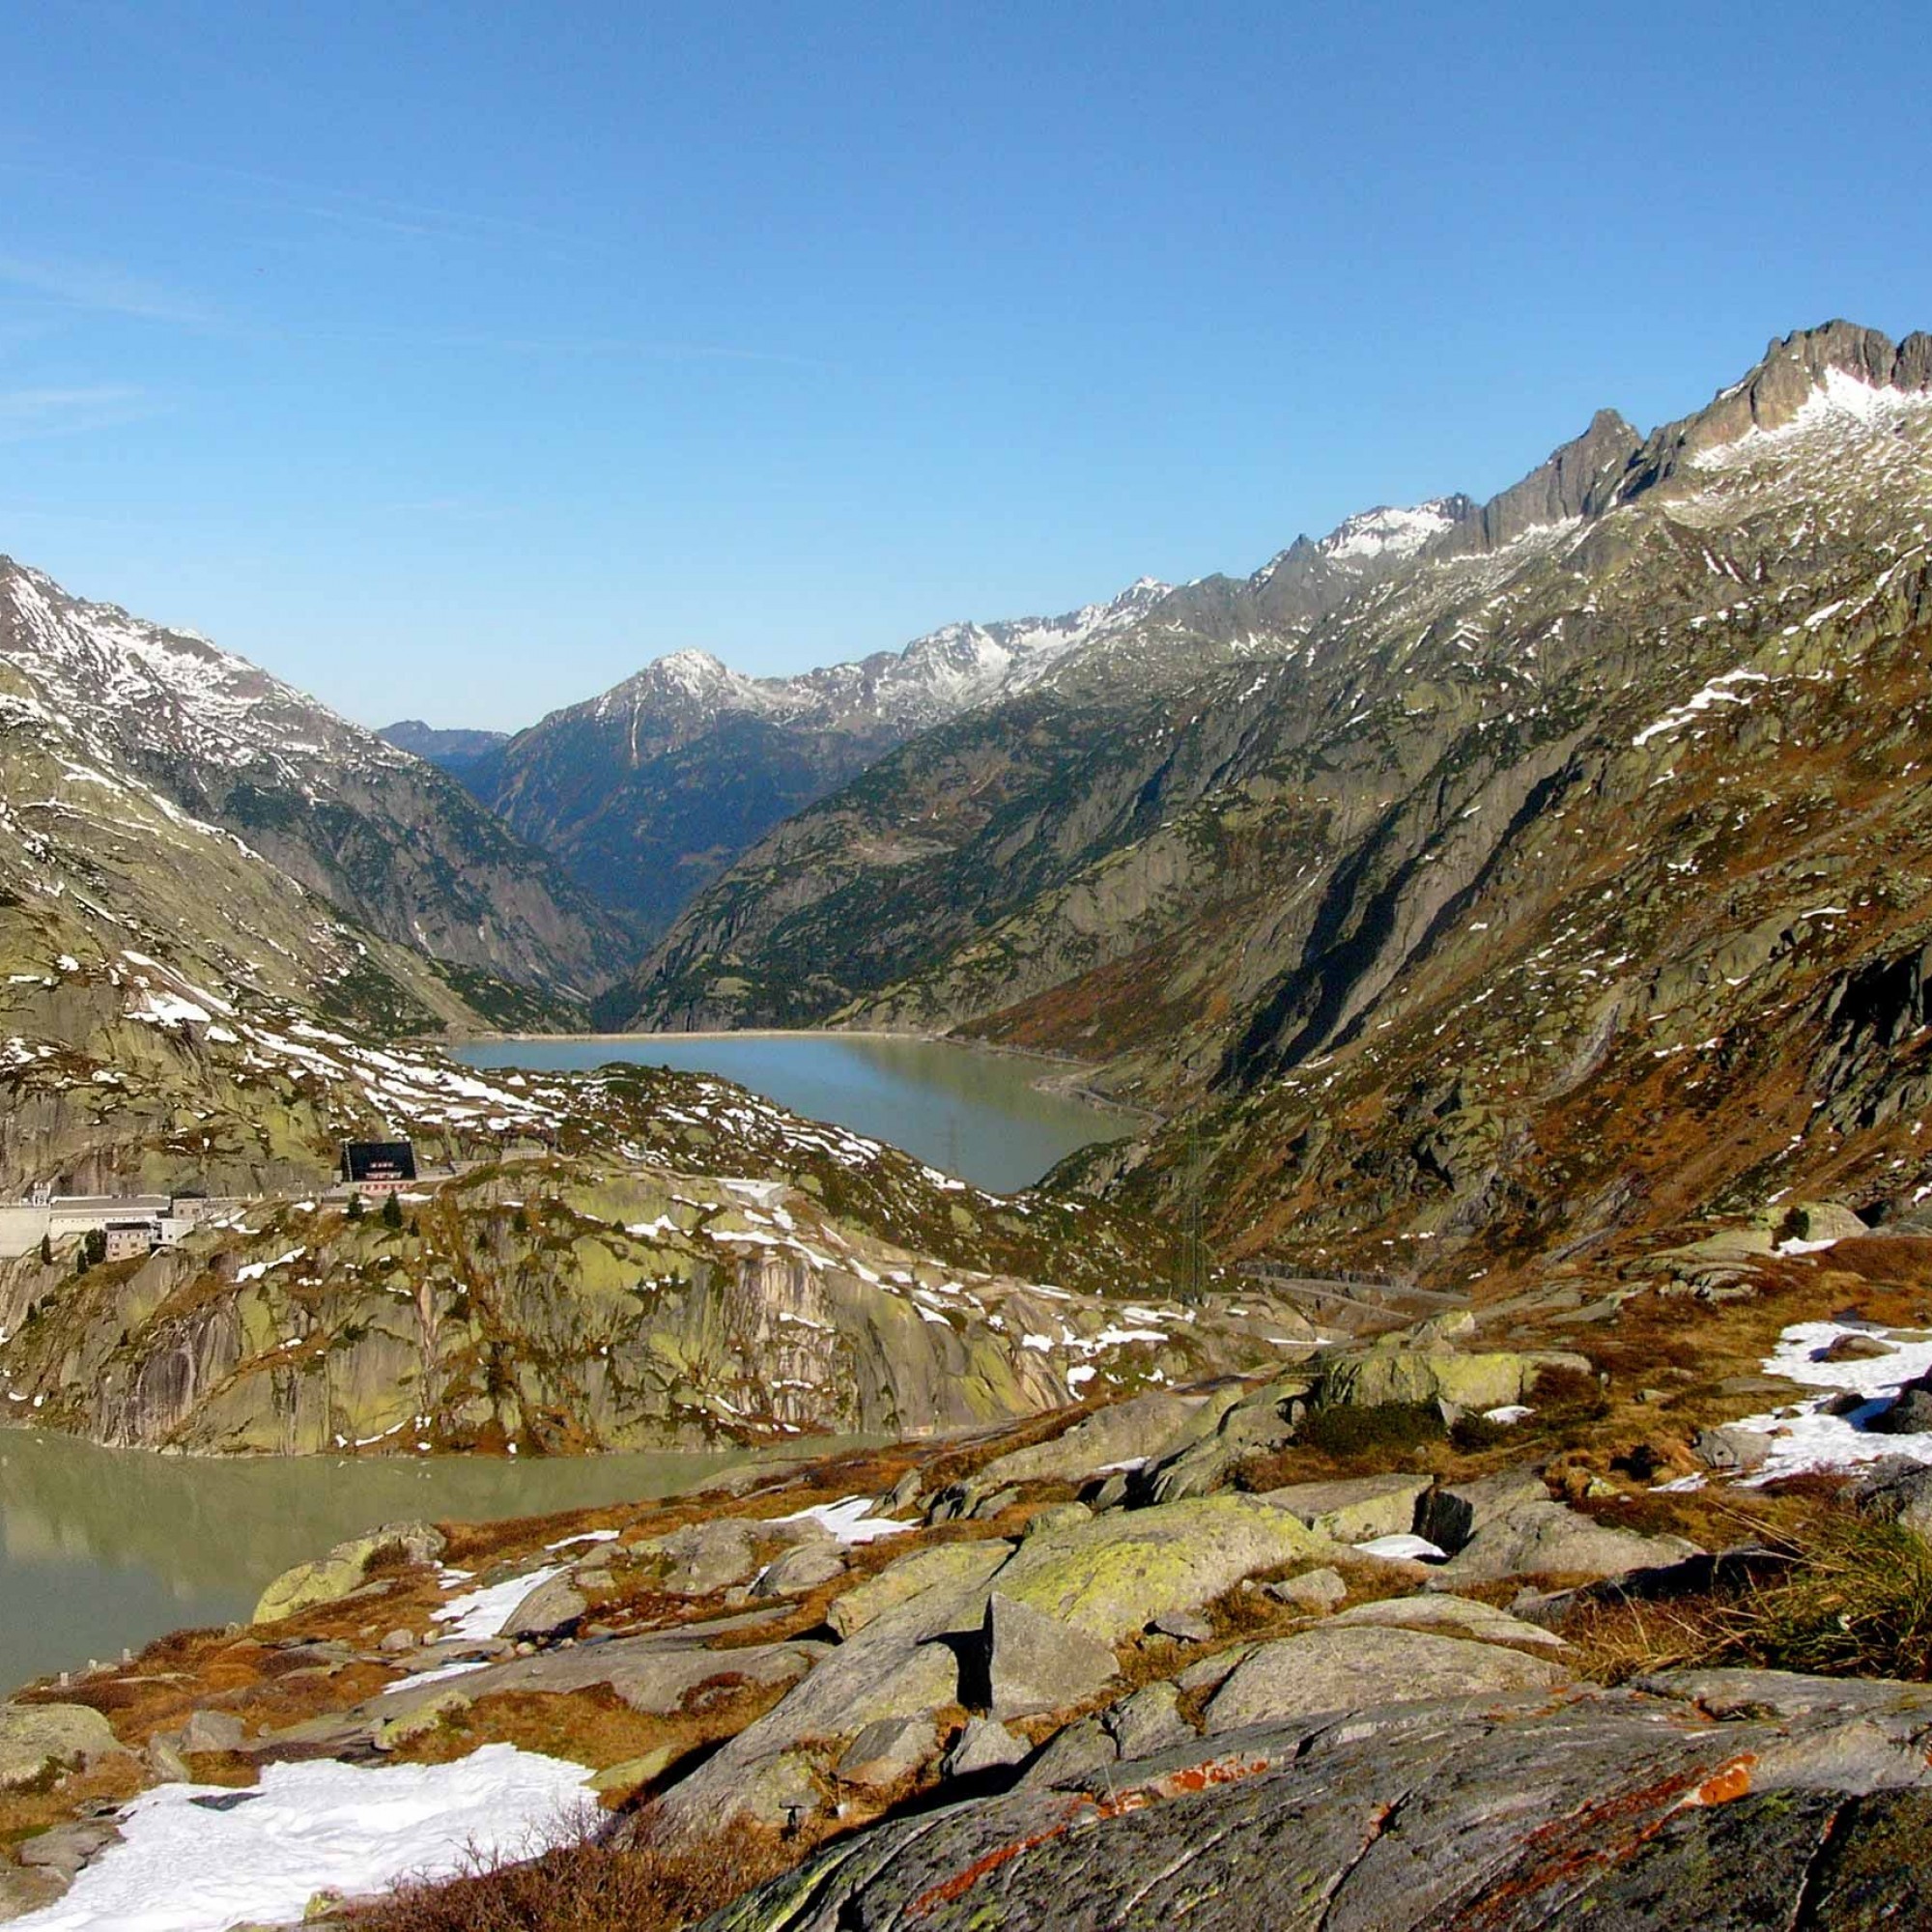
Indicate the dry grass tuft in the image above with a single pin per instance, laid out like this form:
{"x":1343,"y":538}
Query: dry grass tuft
{"x":588,"y":1886}
{"x":1857,"y":1602}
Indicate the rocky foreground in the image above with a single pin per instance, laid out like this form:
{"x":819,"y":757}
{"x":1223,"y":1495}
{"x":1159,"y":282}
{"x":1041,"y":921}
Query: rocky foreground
{"x":1427,"y":1631}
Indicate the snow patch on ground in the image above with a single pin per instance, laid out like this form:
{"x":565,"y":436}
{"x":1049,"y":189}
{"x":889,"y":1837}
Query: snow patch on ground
{"x":306,"y":1827}
{"x":1417,"y":1548}
{"x":848,"y":1521}
{"x":1803,"y":1437}
{"x":482,"y":1613}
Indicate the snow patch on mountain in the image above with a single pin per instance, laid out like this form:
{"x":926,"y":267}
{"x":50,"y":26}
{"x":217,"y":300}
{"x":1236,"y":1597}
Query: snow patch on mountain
{"x":1385,"y":532}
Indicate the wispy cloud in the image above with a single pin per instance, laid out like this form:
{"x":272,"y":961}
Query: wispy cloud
{"x":27,"y":413}
{"x":101,"y":288}
{"x":353,"y":207}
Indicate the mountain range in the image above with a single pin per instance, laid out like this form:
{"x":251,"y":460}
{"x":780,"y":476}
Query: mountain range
{"x":647,"y":792}
{"x":1446,"y":878}
{"x":1438,"y":883}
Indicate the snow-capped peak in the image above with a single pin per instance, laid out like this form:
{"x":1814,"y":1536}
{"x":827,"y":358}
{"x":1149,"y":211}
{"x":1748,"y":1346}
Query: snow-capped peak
{"x":1385,"y":532}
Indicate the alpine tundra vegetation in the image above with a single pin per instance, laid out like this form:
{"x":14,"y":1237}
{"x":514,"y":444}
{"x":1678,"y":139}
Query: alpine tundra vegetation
{"x":1462,"y":1459}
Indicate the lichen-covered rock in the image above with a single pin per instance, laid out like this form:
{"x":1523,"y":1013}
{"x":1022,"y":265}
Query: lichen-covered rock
{"x":700,"y":1557}
{"x":1141,"y":1430}
{"x":1312,"y":1590}
{"x":1546,"y":1539}
{"x":37,"y":1738}
{"x":211,"y":1731}
{"x":1532,"y":1812}
{"x":1148,"y":1722}
{"x":23,"y":1889}
{"x":1396,"y":1371}
{"x":1035,"y":1662}
{"x":345,"y":1569}
{"x":800,"y":1570}
{"x":420,"y":1719}
{"x":1899,"y":1490}
{"x":1352,"y":1509}
{"x":1256,"y":1421}
{"x":554,"y":1605}
{"x":984,"y":1744}
{"x":887,"y":1749}
{"x":1450,"y":1515}
{"x":948,"y":1566}
{"x":1356,"y":1669}
{"x":1114,"y":1575}
{"x":904,"y":1662}
{"x":1457,"y":1616}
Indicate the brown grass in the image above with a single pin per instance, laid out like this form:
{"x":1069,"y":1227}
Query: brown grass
{"x":594,"y":1726}
{"x":657,"y":1885}
{"x":27,"y":1811}
{"x":1857,"y":1602}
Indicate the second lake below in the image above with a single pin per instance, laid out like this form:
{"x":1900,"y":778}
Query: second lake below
{"x":973,"y":1113}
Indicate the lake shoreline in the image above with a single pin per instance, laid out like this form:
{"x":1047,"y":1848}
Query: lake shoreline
{"x":1069,"y":1086}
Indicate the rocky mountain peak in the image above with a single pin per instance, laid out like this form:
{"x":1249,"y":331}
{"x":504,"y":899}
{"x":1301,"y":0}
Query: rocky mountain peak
{"x":1840,"y":367}
{"x":1579,"y":478}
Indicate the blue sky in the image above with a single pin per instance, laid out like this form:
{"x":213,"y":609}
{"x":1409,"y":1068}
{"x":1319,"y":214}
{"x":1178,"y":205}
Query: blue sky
{"x":457,"y":361}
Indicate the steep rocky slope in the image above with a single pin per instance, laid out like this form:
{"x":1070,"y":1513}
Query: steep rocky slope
{"x":649,"y":791}
{"x":616,"y":1296}
{"x":1560,"y":881}
{"x":398,"y":849}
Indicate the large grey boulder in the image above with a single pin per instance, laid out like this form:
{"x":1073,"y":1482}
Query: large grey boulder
{"x":1352,"y":1509}
{"x":1148,"y":1722}
{"x":700,"y":1557}
{"x":1450,"y":1516}
{"x":1911,"y":1411}
{"x":1358,"y":1667}
{"x":1547,"y":1539}
{"x":24,"y":1889}
{"x":1454,"y":1616}
{"x":1072,"y":1755}
{"x":984,"y":1744}
{"x":553,"y":1607}
{"x":1257,"y":1421}
{"x":1516,"y":1813}
{"x":345,"y":1569}
{"x":903,"y":1663}
{"x":1131,"y":1432}
{"x":1035,"y":1662}
{"x":211,"y":1731}
{"x":1113,"y":1577}
{"x":36,"y":1739}
{"x":801,"y":1570}
{"x":1731,"y":1450}
{"x":950,"y":1566}
{"x":1897,"y":1489}
{"x":889,"y":1750}
{"x":1396,"y":1370}
{"x":1313,"y":1590}
{"x":653,"y":1673}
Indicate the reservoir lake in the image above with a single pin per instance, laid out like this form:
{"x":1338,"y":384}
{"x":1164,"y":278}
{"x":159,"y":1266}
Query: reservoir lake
{"x":971,"y":1113}
{"x":107,"y":1547}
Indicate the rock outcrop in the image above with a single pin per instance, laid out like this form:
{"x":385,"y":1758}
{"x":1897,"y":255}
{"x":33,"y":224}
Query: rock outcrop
{"x":1795,"y":1801}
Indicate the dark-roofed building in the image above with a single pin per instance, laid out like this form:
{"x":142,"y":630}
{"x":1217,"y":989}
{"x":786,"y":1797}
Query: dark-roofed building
{"x":379,"y":1167}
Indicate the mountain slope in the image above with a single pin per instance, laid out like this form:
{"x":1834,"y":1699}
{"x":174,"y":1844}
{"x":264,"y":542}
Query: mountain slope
{"x":452,"y":751}
{"x":649,"y":791}
{"x":400,"y":848}
{"x":1315,"y":892}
